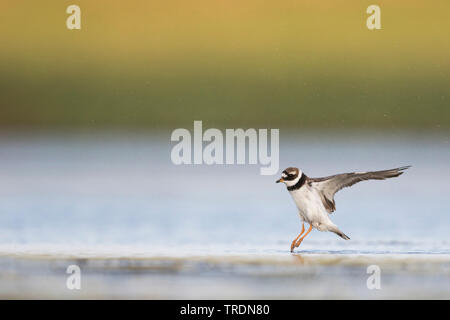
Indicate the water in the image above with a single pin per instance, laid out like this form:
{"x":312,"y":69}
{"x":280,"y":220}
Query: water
{"x":145,"y":228}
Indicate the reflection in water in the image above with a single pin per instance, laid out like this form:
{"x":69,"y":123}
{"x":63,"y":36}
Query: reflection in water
{"x":298,"y":259}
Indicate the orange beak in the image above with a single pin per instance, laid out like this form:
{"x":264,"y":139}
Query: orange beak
{"x":279,"y":180}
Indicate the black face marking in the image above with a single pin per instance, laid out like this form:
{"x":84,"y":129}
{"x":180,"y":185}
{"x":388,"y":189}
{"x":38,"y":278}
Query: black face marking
{"x":290,"y":175}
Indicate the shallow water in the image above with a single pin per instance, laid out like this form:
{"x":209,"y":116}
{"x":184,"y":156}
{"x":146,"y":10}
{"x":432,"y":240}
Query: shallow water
{"x":116,"y":204}
{"x":262,"y":275}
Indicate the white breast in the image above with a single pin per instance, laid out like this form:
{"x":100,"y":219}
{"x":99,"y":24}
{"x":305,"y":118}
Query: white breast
{"x":310,"y":205}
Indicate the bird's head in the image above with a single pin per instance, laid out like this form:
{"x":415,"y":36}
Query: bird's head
{"x":290,"y":176}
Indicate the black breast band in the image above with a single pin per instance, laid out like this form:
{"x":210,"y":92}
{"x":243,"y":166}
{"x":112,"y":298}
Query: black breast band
{"x":298,"y":184}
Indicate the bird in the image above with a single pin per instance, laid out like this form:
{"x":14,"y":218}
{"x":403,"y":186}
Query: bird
{"x":314,"y":197}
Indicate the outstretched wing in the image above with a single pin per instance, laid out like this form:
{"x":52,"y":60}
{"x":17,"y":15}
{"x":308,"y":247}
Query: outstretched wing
{"x":328,"y":186}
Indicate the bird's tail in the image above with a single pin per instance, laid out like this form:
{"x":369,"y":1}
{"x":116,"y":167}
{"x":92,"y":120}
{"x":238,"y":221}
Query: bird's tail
{"x":340,"y":234}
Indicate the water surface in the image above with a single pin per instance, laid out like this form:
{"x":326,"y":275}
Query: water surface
{"x":116,"y":204}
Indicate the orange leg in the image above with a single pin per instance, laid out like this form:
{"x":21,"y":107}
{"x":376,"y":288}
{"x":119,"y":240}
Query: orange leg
{"x":295,"y":240}
{"x":301,"y":239}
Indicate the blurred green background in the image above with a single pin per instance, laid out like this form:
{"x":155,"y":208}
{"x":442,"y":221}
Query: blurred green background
{"x":286,"y":64}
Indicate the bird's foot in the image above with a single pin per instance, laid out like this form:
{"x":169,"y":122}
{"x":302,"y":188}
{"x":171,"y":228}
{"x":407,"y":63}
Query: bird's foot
{"x":292,"y":246}
{"x":295,"y":245}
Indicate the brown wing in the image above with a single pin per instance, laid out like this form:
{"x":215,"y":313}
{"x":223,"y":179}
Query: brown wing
{"x":332,"y":184}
